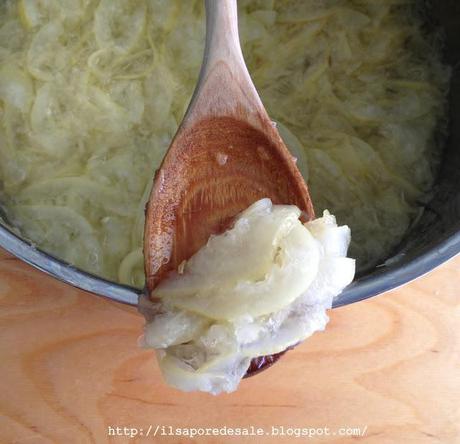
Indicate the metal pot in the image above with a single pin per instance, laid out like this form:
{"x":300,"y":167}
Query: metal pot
{"x":432,"y":241}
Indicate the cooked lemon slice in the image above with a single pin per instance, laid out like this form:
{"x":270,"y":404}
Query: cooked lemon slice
{"x":129,"y":96}
{"x":172,"y":328}
{"x":61,"y":230}
{"x":117,"y":108}
{"x":48,"y":54}
{"x":88,"y":197}
{"x":12,"y":35}
{"x":34,"y":13}
{"x":29,"y":13}
{"x":43,"y":116}
{"x":16,"y":87}
{"x":221,"y":374}
{"x":289,"y":275}
{"x":118,"y":24}
{"x":209,"y":270}
{"x":52,"y":120}
{"x":295,"y":328}
{"x":295,"y":147}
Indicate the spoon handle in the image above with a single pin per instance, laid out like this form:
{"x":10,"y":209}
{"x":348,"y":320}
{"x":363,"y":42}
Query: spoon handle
{"x":222,"y":38}
{"x":224,"y":87}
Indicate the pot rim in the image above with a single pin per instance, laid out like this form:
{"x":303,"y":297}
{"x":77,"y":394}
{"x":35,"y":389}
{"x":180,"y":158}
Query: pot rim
{"x":378,"y":282}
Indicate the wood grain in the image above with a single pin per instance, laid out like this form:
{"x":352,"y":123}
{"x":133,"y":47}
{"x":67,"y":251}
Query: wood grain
{"x":71,"y":367}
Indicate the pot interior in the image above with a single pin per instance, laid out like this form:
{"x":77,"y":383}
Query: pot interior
{"x":432,"y":240}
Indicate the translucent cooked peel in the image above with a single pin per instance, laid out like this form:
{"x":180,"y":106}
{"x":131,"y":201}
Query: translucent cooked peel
{"x":34,"y":13}
{"x":55,"y":222}
{"x":226,"y":320}
{"x":292,"y":269}
{"x":48,"y":53}
{"x":295,"y":147}
{"x":12,"y":37}
{"x":16,"y":87}
{"x":118,"y":24}
{"x":172,"y":328}
{"x":120,"y":107}
{"x":76,"y":193}
{"x":213,"y":381}
{"x":263,"y":238}
{"x":291,"y":330}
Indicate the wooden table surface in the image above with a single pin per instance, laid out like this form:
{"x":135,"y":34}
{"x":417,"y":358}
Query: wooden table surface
{"x":71,"y":368}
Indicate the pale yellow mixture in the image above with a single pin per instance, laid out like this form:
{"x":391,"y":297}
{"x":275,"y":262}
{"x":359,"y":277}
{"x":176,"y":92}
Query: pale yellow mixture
{"x":91,"y":93}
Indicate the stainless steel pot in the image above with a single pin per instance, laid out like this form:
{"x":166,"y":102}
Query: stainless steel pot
{"x":432,"y":241}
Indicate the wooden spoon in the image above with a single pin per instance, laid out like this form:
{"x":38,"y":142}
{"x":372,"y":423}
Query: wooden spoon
{"x":226,"y":155}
